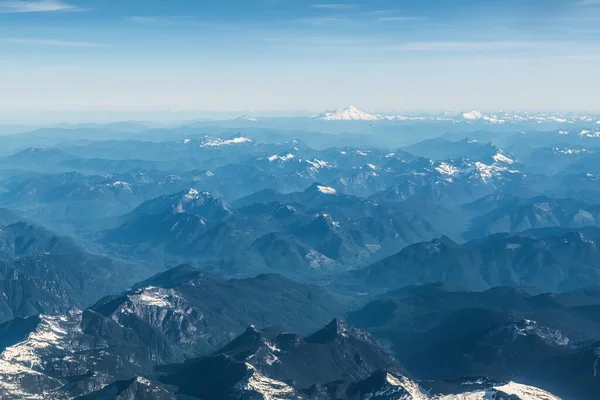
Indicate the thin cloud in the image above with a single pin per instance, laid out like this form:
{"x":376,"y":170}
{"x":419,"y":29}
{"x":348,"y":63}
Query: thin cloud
{"x":381,"y":12}
{"x":462,"y":46}
{"x":50,"y":42}
{"x":585,"y":3}
{"x":335,"y":6}
{"x":141,"y":19}
{"x":319,"y":21}
{"x":35,"y":6}
{"x":398,"y":19}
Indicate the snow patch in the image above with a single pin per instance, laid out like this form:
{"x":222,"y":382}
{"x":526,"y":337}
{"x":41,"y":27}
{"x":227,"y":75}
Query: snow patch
{"x":270,"y":389}
{"x":525,"y":392}
{"x":326,"y":190}
{"x":216,"y":142}
{"x":501,"y":158}
{"x":446,"y":169}
{"x":120,"y":185}
{"x":568,"y":151}
{"x":318,"y":164}
{"x":317,"y":260}
{"x":589,"y":134}
{"x":276,"y":157}
{"x":247,"y":118}
{"x":403,"y":386}
{"x":152,"y":296}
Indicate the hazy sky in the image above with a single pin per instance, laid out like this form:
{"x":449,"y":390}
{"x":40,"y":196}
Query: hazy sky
{"x":150,"y":55}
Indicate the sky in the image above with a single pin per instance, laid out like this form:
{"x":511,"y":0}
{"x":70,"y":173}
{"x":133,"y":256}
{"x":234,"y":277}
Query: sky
{"x":252,"y":56}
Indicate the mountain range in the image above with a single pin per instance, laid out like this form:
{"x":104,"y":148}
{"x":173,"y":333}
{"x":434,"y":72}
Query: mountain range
{"x":442,"y":332}
{"x":543,"y":260}
{"x":144,"y":344}
{"x":219,"y":259}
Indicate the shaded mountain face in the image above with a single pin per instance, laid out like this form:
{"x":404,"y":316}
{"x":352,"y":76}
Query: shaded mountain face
{"x":200,"y":313}
{"x":173,"y":316}
{"x":114,"y":347}
{"x":458,"y":181}
{"x":274,"y":366}
{"x":385,"y":385}
{"x":245,"y":368}
{"x":310,"y":232}
{"x":137,"y":388}
{"x":7,"y":217}
{"x":36,"y":159}
{"x":20,"y":239}
{"x":41,"y":272}
{"x":517,"y":215}
{"x":441,"y":332}
{"x":193,"y":202}
{"x":69,"y":198}
{"x":559,"y":159}
{"x":337,"y":352}
{"x":444,"y":149}
{"x":547,"y":262}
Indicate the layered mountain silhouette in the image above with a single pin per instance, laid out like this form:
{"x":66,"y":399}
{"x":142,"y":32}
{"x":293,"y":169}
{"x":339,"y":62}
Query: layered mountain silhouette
{"x":544,"y":260}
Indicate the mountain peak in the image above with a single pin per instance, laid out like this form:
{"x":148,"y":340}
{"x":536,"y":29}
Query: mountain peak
{"x":334,"y":330}
{"x":349,"y":113}
{"x":191,"y":201}
{"x":173,"y":277}
{"x":446,"y":241}
{"x":246,"y":343}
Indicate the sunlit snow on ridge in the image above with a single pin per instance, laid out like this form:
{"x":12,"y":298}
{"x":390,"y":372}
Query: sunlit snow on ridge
{"x":216,"y":142}
{"x":326,"y":190}
{"x":276,"y":157}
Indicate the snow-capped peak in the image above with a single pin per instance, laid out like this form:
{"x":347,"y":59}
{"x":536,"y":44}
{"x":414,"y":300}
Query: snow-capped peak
{"x":349,"y":113}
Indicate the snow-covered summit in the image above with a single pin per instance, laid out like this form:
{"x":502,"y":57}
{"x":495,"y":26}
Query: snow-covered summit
{"x":349,"y":113}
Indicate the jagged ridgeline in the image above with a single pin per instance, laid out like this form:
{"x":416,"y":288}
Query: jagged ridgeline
{"x":346,"y":255}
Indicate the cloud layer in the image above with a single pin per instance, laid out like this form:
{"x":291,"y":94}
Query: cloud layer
{"x":31,"y":6}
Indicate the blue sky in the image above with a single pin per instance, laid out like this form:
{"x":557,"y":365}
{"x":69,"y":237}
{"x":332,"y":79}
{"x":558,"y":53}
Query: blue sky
{"x":247,"y":55}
